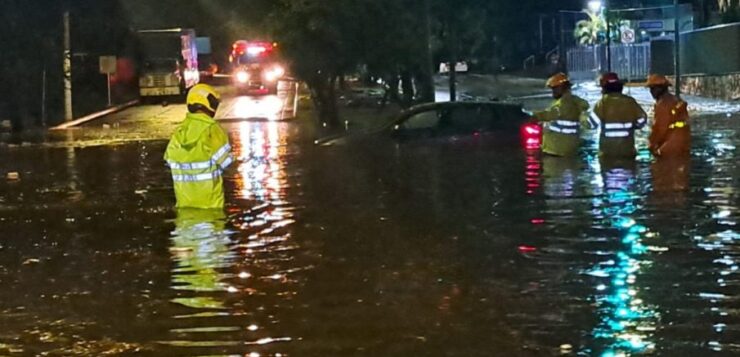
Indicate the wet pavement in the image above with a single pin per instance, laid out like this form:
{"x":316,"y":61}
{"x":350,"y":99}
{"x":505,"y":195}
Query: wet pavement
{"x":445,"y":247}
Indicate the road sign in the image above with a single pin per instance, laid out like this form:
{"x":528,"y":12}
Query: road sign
{"x":108,"y":67}
{"x":651,"y":25}
{"x":107,"y":64}
{"x":628,"y":36}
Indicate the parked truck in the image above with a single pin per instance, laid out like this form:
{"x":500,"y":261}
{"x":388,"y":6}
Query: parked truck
{"x":168,"y":62}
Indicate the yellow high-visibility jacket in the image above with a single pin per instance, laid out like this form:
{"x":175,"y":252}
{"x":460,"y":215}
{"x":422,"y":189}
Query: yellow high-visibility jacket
{"x":620,"y":116}
{"x":562,"y":123}
{"x":197,"y":154}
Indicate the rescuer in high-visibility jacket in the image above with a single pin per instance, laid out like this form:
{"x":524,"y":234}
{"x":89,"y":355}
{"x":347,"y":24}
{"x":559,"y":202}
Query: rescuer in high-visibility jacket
{"x":671,"y":133}
{"x":620,"y":116}
{"x":199,"y":152}
{"x":563,"y":119}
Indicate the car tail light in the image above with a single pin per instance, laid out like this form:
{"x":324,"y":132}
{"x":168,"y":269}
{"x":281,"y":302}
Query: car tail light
{"x":531,"y":136}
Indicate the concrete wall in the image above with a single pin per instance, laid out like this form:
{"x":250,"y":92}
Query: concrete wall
{"x":710,"y":61}
{"x":712,"y":50}
{"x":726,"y":86}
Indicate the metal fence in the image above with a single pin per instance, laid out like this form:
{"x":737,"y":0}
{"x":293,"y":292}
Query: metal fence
{"x":631,"y":62}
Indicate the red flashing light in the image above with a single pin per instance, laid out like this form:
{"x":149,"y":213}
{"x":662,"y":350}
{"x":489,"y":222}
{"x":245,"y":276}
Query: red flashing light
{"x":524,"y":249}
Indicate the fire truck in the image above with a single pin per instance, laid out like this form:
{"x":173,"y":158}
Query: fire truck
{"x":256,"y":66}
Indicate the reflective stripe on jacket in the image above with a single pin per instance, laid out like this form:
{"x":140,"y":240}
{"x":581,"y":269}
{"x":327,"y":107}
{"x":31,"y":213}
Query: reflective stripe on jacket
{"x":197,"y":154}
{"x":620,"y":116}
{"x":563,"y":120}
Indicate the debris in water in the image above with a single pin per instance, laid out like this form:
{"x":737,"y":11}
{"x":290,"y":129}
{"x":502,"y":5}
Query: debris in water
{"x":14,"y":176}
{"x":31,"y":261}
{"x":140,"y":192}
{"x":106,"y":126}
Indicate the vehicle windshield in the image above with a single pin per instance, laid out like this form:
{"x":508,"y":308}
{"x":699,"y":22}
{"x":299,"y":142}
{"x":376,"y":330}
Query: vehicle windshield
{"x":160,"y":64}
{"x":250,"y":58}
{"x":156,"y":45}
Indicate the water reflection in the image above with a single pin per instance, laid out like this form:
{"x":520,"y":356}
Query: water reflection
{"x":626,"y":322}
{"x":231,"y":273}
{"x":718,"y":237}
{"x":199,"y":248}
{"x":268,"y":107}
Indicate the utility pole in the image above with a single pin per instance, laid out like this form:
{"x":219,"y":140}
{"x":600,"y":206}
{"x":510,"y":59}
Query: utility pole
{"x":427,"y":90}
{"x":676,"y":47}
{"x":608,"y":38}
{"x":67,"y":68}
{"x":542,"y":31}
{"x":453,"y":64}
{"x":43,"y":97}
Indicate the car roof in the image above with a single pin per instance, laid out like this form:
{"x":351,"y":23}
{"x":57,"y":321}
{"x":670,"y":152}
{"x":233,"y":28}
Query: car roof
{"x":420,"y":108}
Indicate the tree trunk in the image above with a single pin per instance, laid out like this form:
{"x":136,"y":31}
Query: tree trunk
{"x":323,"y":94}
{"x":391,"y":91}
{"x":425,"y":77}
{"x":452,"y":42}
{"x":407,"y":85}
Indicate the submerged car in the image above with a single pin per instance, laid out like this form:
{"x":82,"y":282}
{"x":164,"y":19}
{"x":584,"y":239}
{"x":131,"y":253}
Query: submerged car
{"x":502,"y":122}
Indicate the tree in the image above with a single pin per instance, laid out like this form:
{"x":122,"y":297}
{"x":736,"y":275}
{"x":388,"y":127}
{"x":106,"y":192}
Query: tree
{"x":588,"y":31}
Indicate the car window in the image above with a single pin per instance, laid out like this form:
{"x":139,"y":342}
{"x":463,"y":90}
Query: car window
{"x":423,"y":120}
{"x":469,"y":119}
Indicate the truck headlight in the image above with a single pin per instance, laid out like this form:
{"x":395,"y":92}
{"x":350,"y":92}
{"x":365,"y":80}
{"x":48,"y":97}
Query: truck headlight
{"x":278,"y":71}
{"x":274,"y":74}
{"x":242,"y":76}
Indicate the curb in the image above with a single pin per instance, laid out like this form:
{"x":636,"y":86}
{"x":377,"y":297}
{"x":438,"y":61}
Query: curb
{"x":94,"y":116}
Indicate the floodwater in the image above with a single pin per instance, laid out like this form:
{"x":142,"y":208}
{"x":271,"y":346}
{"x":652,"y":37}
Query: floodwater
{"x":422,"y":248}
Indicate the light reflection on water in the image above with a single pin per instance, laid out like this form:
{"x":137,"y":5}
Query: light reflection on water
{"x":420,"y":249}
{"x":626,"y":322}
{"x":225,"y":267}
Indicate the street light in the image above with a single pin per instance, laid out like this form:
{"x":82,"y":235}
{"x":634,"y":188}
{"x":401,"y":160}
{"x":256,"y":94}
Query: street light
{"x":595,"y":6}
{"x":598,"y":7}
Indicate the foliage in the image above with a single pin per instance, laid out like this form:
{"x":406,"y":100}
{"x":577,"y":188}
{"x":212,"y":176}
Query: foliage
{"x":397,"y":40}
{"x":593,"y":31}
{"x":588,"y":31}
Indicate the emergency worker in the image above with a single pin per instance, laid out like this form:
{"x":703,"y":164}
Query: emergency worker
{"x":563,"y":119}
{"x":671,"y":133}
{"x":620,"y":116}
{"x":199,"y":152}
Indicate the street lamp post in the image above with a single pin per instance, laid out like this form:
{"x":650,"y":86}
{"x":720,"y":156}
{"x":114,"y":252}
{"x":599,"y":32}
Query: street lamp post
{"x":676,"y":47}
{"x":596,"y":7}
{"x":608,"y":38}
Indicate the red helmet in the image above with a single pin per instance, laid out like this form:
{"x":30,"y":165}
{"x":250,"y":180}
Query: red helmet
{"x":609,"y":78}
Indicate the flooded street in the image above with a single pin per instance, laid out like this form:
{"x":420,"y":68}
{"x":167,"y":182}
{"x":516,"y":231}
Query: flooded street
{"x":421,"y":248}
